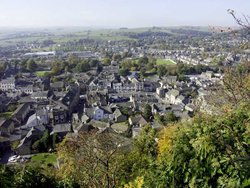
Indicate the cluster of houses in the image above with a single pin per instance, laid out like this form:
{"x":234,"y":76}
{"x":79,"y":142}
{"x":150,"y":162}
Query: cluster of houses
{"x":93,"y":100}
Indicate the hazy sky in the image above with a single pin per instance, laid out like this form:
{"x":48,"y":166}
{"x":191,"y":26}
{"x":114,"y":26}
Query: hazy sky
{"x":119,"y":13}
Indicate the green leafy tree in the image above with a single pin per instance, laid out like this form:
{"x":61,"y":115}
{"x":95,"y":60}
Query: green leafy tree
{"x":2,"y":68}
{"x":93,"y":63}
{"x":117,"y":57}
{"x":73,"y":59}
{"x":211,"y":151}
{"x":147,"y":112}
{"x":29,"y":177}
{"x":106,"y":61}
{"x":161,"y":71}
{"x":6,"y":177}
{"x":143,"y":61}
{"x":124,"y":72}
{"x":143,"y":72}
{"x":140,"y":161}
{"x":83,"y":66}
{"x":42,"y":145}
{"x":31,"y":65}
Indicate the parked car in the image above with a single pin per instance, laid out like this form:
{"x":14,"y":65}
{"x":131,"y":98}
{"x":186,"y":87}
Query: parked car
{"x":14,"y":158}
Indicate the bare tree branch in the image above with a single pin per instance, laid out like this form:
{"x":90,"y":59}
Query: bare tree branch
{"x":245,"y":24}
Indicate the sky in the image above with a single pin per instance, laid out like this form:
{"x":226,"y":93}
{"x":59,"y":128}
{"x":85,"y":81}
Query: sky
{"x":119,"y":13}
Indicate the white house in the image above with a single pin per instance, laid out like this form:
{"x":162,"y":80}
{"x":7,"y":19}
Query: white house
{"x":39,"y":118}
{"x":172,"y":95}
{"x":99,"y":113}
{"x":8,"y":84}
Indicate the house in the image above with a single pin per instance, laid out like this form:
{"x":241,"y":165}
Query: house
{"x":181,"y":100}
{"x":27,"y":89}
{"x":22,"y":112}
{"x":190,"y":107}
{"x":40,"y":95}
{"x":75,"y":118}
{"x":207,"y":74}
{"x":58,"y":115}
{"x":69,"y":101}
{"x":4,"y":102}
{"x":170,"y":79}
{"x":39,"y":118}
{"x":172,"y":95}
{"x":137,"y":121}
{"x":57,"y":86}
{"x":98,"y":97}
{"x":99,"y":113}
{"x":119,"y":117}
{"x":7,"y":126}
{"x":83,"y":128}
{"x":8,"y":84}
{"x":160,"y":91}
{"x":35,"y":133}
{"x":85,"y":119}
{"x":61,"y":129}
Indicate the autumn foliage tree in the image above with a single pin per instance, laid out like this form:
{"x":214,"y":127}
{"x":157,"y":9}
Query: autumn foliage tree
{"x":90,"y":160}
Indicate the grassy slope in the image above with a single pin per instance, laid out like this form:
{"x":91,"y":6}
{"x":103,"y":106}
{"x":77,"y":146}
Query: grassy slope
{"x":166,"y":62}
{"x":43,"y":159}
{"x":41,"y":73}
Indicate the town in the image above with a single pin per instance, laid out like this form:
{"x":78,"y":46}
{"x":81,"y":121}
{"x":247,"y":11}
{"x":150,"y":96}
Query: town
{"x":120,"y":85}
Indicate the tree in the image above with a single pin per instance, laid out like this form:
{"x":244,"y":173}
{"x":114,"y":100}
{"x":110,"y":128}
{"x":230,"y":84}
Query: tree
{"x":170,"y":117}
{"x":143,"y":72}
{"x":73,"y":59}
{"x":31,"y":65}
{"x":93,"y":63}
{"x":140,"y":162}
{"x":91,"y":160}
{"x":82,"y":66}
{"x":42,"y":145}
{"x":243,"y":22}
{"x":161,"y":71}
{"x":12,"y":107}
{"x":55,"y":70}
{"x":6,"y":177}
{"x":29,"y":177}
{"x":23,"y":65}
{"x":124,"y":72}
{"x":211,"y":151}
{"x":143,"y":61}
{"x":147,"y":112}
{"x":117,"y":57}
{"x":145,"y":143}
{"x":2,"y":68}
{"x":236,"y":84}
{"x":234,"y":90}
{"x":158,"y":118}
{"x":25,"y":176}
{"x":106,"y":61}
{"x":181,"y":77}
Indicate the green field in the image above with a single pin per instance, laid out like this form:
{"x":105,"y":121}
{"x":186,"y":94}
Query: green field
{"x":41,"y":73}
{"x":43,"y":159}
{"x":6,"y":115}
{"x":166,"y":62}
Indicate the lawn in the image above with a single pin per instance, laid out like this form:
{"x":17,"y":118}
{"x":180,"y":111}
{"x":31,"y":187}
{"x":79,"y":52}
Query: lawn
{"x":6,"y":115}
{"x":120,"y":127}
{"x":43,"y":159}
{"x":166,"y":62}
{"x":41,"y":73}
